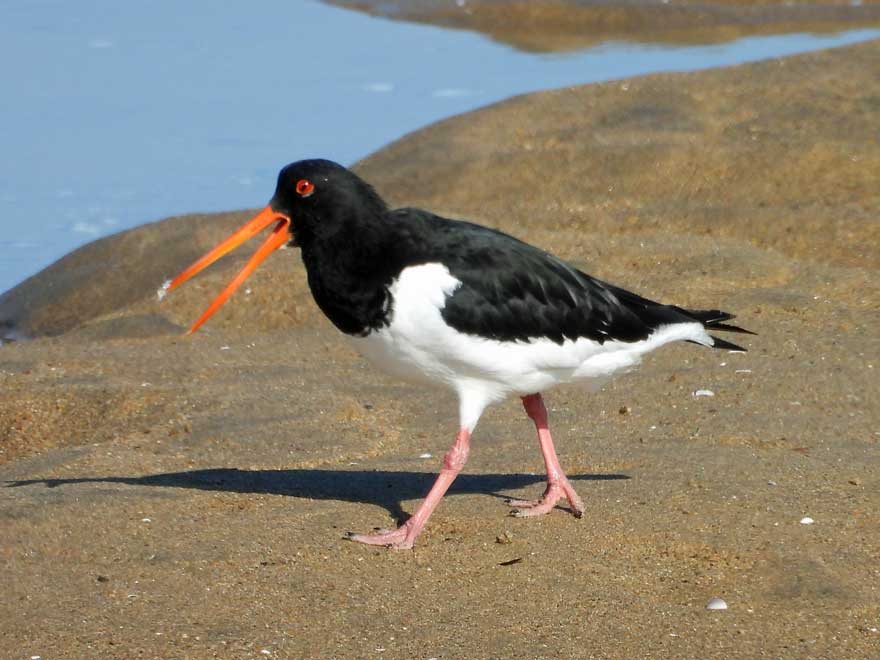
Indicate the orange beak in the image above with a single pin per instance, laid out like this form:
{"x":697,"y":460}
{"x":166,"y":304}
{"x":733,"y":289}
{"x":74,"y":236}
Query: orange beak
{"x":279,"y":236}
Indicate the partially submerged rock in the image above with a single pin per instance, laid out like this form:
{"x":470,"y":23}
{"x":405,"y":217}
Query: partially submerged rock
{"x":564,"y":25}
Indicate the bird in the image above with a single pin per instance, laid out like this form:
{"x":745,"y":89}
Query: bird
{"x":451,"y":303}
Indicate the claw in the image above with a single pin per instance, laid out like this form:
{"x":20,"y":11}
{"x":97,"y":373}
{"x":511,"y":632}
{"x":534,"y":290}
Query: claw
{"x":555,"y":491}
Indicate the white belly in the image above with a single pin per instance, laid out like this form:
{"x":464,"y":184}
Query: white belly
{"x":419,"y":346}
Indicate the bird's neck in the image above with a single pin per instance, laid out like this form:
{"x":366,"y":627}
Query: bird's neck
{"x":349,"y":273}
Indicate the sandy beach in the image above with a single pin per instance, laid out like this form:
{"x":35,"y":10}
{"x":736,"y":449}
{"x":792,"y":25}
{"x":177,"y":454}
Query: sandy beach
{"x":165,"y":495}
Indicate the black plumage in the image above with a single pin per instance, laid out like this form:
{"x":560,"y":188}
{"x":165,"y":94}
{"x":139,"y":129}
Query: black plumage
{"x":354,"y":248}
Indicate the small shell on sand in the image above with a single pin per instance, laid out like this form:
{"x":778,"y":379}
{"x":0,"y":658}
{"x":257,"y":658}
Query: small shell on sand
{"x":806,"y":520}
{"x":704,"y":393}
{"x":716,"y":604}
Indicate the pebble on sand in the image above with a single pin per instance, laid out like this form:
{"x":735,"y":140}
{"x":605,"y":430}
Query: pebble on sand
{"x":505,"y":538}
{"x":716,"y":604}
{"x":806,"y":520}
{"x":704,"y":393}
{"x":163,"y":290}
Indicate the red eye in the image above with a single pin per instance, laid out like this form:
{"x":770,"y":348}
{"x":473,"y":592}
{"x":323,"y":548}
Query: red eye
{"x":304,"y":187}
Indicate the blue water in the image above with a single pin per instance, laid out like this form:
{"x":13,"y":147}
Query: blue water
{"x":118,"y":113}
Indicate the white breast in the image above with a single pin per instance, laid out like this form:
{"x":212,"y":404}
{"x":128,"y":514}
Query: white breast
{"x":419,"y":346}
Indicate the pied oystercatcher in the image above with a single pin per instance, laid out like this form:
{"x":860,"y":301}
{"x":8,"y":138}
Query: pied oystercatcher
{"x":451,"y":303}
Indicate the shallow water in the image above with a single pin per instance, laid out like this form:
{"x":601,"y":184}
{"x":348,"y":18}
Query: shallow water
{"x":122,"y":113}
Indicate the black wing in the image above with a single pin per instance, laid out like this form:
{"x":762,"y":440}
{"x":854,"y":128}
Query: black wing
{"x":514,"y":291}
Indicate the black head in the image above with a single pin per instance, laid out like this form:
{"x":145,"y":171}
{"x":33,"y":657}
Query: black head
{"x":321,"y":197}
{"x":314,"y":201}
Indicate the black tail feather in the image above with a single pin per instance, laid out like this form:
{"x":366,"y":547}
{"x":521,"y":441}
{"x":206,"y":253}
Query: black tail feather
{"x":713,"y":319}
{"x":707,"y":316}
{"x":727,"y":345}
{"x":726,"y":327}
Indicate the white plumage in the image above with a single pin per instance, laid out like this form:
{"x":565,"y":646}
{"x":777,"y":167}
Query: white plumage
{"x":418,"y":345}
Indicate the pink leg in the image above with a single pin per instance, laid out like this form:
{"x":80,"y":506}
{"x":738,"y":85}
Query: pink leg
{"x":404,"y":536}
{"x":557,"y":483}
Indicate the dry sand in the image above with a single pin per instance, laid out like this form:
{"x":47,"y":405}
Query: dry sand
{"x":170,"y":496}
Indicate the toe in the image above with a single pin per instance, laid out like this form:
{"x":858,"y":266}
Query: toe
{"x":396,"y":538}
{"x":523,"y":504}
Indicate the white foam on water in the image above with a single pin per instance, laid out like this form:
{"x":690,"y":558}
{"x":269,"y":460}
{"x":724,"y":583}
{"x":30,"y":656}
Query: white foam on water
{"x":378,"y":87}
{"x":86,"y":228}
{"x":452,"y":92}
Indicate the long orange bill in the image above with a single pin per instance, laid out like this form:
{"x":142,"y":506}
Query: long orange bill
{"x":279,"y":236}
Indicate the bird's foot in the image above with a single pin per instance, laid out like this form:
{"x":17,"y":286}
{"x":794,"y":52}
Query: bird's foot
{"x":555,"y":492}
{"x":401,"y":538}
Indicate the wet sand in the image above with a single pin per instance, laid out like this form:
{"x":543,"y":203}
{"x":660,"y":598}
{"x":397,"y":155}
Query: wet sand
{"x":171,"y":496}
{"x":566,"y":25}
